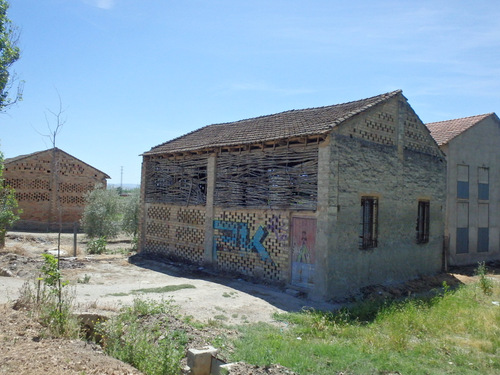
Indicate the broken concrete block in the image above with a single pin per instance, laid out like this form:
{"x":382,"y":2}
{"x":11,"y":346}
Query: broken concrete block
{"x":200,"y":360}
{"x":216,"y":367}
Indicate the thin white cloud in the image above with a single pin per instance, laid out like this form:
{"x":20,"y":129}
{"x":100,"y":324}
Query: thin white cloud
{"x":102,"y":4}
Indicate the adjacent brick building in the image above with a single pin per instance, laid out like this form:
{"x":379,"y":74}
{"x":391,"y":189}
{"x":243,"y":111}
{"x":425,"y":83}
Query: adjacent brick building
{"x":472,"y":148}
{"x":33,"y":178}
{"x":326,"y":200}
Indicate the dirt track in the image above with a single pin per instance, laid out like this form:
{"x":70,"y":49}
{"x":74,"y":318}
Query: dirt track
{"x":106,"y":282}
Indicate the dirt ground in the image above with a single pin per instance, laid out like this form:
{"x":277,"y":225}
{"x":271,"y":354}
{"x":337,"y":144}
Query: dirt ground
{"x":104,"y":283}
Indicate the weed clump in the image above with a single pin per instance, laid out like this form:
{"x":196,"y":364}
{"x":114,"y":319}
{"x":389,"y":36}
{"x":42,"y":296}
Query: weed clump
{"x":485,"y":283}
{"x":140,"y":335}
{"x":50,"y":301}
{"x":97,"y":245}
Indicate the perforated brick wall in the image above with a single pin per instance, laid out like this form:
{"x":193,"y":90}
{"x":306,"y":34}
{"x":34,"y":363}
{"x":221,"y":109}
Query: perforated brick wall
{"x":249,"y":242}
{"x":254,"y":243}
{"x":417,"y":138}
{"x":175,"y":231}
{"x":379,"y":127}
{"x":37,"y":190}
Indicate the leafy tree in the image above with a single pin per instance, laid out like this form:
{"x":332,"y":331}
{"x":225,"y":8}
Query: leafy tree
{"x":130,"y":221}
{"x":8,"y":206}
{"x":9,"y":54}
{"x":102,"y":214}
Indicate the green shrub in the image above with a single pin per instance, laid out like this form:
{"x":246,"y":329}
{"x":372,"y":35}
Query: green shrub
{"x":102,"y":213}
{"x":485,"y":283}
{"x":130,"y":221}
{"x":9,"y":210}
{"x":97,"y":246}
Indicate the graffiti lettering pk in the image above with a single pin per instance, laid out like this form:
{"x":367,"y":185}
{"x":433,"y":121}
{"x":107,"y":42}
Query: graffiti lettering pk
{"x":237,"y":235}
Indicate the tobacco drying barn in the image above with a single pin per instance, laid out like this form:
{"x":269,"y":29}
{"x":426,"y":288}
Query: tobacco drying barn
{"x":36,"y":185}
{"x":325,"y":200}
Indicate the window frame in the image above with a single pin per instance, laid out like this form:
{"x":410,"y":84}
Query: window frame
{"x":462,"y":235}
{"x":368,"y":238}
{"x":423,"y":221}
{"x":463,"y":179}
{"x":483,"y":184}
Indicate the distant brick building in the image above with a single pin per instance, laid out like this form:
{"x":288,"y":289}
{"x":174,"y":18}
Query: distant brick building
{"x":325,"y":200}
{"x":472,"y":148}
{"x":32,"y":176}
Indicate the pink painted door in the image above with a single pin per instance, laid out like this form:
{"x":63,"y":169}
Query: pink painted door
{"x":303,"y":251}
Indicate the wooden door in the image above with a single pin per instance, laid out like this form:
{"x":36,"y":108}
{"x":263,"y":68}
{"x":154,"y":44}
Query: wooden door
{"x":303,"y":251}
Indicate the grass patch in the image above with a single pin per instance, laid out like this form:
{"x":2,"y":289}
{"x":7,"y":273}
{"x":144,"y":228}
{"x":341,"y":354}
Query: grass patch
{"x":456,"y":332}
{"x":164,"y":289}
{"x":221,"y":317}
{"x":161,"y":289}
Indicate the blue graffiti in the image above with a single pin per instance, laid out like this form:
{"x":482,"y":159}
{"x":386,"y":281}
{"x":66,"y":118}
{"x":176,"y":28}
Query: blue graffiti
{"x":238,"y":235}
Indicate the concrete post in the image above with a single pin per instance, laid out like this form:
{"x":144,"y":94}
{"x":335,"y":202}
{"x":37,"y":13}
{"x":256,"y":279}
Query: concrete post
{"x":143,"y":209}
{"x":199,"y":361}
{"x":323,"y":223}
{"x":209,"y":207}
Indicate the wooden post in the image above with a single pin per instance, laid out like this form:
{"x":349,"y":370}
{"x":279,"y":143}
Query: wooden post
{"x":75,"y":232}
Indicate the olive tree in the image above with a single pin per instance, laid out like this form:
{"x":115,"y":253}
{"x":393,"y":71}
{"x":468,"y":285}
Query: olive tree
{"x":9,"y":54}
{"x":130,"y":221}
{"x":102,"y":214}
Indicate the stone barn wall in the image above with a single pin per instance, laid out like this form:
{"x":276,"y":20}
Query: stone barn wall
{"x":385,"y":154}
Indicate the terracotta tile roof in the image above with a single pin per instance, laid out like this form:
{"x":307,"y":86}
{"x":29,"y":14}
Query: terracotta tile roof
{"x":21,"y":157}
{"x":284,"y":125}
{"x":445,"y":131}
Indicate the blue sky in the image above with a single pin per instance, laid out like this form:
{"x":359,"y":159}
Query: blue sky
{"x":132,"y":74}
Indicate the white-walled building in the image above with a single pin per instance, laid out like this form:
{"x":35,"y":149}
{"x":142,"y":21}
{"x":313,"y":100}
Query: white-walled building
{"x":472,"y":148}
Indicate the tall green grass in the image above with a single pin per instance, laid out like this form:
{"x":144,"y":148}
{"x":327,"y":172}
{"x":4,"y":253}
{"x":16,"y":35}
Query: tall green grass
{"x":457,"y":332}
{"x":141,"y":336}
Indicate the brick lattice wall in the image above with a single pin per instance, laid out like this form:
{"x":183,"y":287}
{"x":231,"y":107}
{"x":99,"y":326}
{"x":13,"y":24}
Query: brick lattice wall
{"x":238,"y":234}
{"x":33,"y":179}
{"x":175,"y":231}
{"x":378,"y":127}
{"x":179,"y":232}
{"x":417,"y":137}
